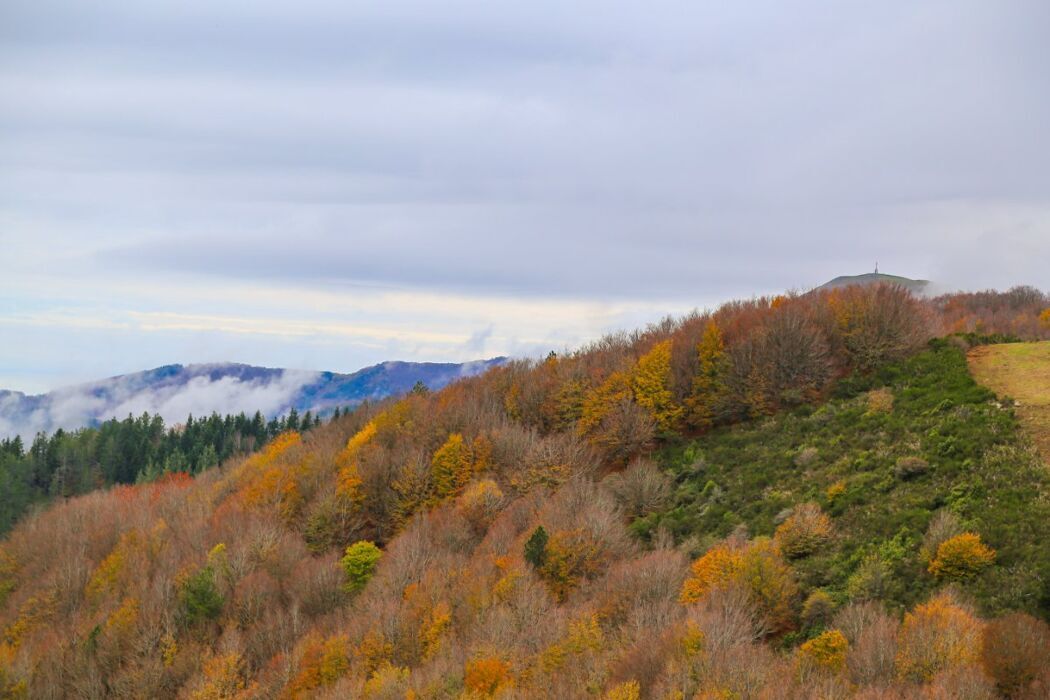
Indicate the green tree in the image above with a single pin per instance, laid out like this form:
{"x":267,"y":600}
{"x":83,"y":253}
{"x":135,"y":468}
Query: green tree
{"x":359,"y":564}
{"x":199,"y":597}
{"x":536,"y":548}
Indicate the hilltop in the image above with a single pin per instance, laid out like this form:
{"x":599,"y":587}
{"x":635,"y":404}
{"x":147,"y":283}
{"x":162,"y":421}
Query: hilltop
{"x":915,"y":286}
{"x":803,"y":496}
{"x":176,"y":391}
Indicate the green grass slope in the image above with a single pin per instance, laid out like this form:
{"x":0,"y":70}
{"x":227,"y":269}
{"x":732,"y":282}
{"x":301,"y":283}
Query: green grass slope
{"x":882,"y":468}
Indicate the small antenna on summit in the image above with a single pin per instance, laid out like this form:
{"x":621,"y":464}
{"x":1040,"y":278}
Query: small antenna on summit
{"x":876,"y":267}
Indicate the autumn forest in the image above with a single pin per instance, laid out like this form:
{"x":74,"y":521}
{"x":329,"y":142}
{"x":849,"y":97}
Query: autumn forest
{"x":803,"y":496}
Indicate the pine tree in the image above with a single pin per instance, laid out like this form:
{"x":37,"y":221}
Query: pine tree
{"x":536,"y":548}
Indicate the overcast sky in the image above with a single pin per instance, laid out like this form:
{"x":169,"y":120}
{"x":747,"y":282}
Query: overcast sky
{"x":325,"y":185}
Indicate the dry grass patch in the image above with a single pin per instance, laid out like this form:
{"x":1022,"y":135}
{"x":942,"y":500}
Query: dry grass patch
{"x":1022,"y":372}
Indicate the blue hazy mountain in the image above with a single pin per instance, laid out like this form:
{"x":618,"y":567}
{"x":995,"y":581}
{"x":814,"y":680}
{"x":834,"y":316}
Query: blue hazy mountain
{"x":177,"y":391}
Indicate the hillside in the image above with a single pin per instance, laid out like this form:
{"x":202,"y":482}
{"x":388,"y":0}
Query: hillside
{"x":914,"y":286}
{"x":176,"y":391}
{"x":804,"y":496}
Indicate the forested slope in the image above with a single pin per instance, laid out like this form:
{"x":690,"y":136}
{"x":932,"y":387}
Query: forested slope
{"x":591,"y":525}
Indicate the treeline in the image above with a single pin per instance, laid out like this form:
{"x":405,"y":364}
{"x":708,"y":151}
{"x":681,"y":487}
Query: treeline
{"x":69,"y":463}
{"x":477,"y":542}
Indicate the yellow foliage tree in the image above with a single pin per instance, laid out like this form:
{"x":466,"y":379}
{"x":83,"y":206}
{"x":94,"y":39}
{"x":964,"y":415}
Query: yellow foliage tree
{"x":653,"y":388}
{"x":348,"y":477}
{"x":451,"y":467}
{"x":388,"y":681}
{"x":480,"y":503}
{"x":628,"y":690}
{"x":374,"y":650}
{"x":961,"y":557}
{"x":433,"y":629}
{"x":600,"y":401}
{"x":224,"y":679}
{"x":1044,"y":318}
{"x":32,"y":614}
{"x":361,"y":438}
{"x":110,"y":571}
{"x":122,"y":620}
{"x":710,"y":390}
{"x":825,"y":652}
{"x":936,"y":636}
{"x":571,"y":556}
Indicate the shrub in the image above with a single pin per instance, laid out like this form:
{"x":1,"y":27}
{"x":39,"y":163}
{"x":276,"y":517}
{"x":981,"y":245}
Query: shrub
{"x":804,"y":531}
{"x":962,"y":557}
{"x":943,"y":526}
{"x":807,"y":457}
{"x":1015,"y":652}
{"x":359,"y":564}
{"x":880,"y":401}
{"x":816,"y":611}
{"x":825,"y":652}
{"x":640,"y":489}
{"x":936,"y":636}
{"x":910,"y":467}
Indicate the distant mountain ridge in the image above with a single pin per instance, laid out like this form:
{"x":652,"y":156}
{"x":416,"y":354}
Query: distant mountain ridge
{"x":177,"y":391}
{"x":915,"y":286}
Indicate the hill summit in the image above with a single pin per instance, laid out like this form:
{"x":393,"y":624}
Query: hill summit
{"x":914,"y":286}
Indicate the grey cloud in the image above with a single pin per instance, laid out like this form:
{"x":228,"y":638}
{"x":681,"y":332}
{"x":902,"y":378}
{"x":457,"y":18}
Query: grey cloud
{"x":666,"y":151}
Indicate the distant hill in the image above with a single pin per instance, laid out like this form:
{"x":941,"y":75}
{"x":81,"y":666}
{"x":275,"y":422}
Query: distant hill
{"x":916,"y":286}
{"x":176,"y":391}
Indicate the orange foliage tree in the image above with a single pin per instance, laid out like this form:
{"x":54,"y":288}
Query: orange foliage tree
{"x":758,"y":567}
{"x":937,"y":636}
{"x":487,"y":675}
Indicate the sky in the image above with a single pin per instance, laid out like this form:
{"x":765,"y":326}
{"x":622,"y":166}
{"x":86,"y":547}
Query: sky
{"x":327,"y":185}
